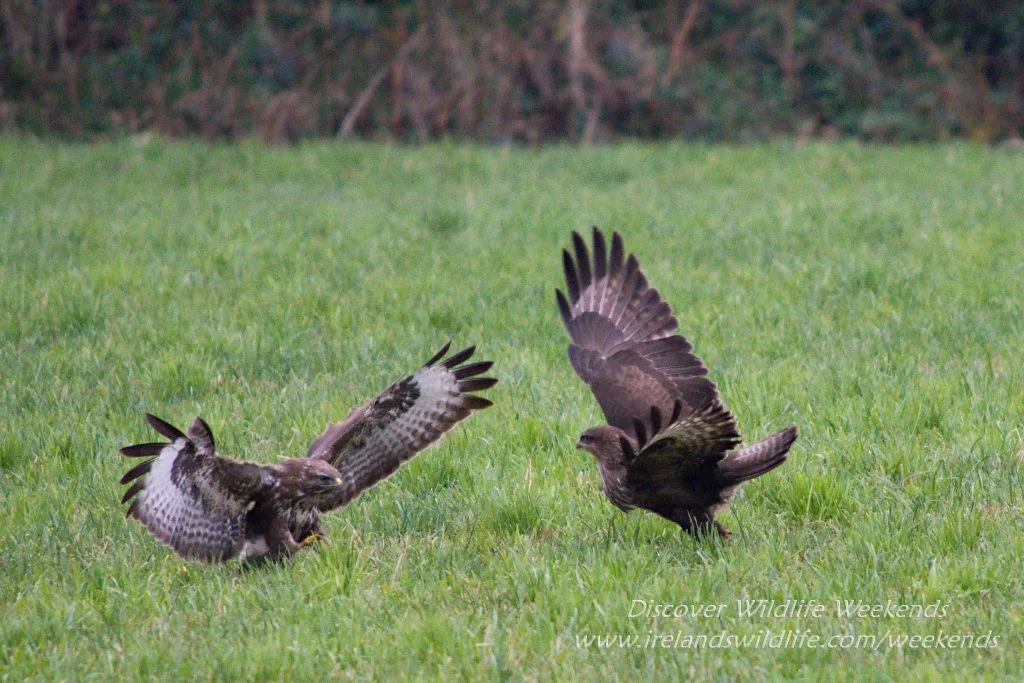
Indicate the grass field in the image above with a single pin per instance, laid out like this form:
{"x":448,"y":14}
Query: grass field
{"x":871,"y":296}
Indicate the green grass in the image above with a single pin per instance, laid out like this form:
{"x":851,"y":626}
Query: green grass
{"x":871,"y":296}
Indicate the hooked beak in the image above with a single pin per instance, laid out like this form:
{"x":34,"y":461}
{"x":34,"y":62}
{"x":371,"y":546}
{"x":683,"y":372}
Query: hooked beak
{"x":337,"y":480}
{"x":579,"y":445}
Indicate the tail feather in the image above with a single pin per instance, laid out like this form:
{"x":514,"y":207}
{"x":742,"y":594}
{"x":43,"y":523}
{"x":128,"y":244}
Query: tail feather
{"x":756,"y":459}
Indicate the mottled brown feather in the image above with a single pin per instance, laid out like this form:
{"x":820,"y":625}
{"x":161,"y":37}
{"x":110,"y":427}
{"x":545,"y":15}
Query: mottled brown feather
{"x":187,"y":496}
{"x":374,"y":440}
{"x":623,"y":344}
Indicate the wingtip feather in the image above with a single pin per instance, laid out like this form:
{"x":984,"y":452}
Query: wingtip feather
{"x":473,"y":369}
{"x":201,"y":434}
{"x":600,"y":254}
{"x":618,"y":251}
{"x":132,"y":491}
{"x":137,"y":471}
{"x":141,"y":450}
{"x":627,"y":448}
{"x":655,"y":420}
{"x":563,"y":307}
{"x":582,"y":260}
{"x":437,"y":356}
{"x":641,"y":432}
{"x":474,"y":402}
{"x":476,"y":384}
{"x":463,"y":355}
{"x":572,"y":281}
{"x":677,"y":410}
{"x":164,"y":427}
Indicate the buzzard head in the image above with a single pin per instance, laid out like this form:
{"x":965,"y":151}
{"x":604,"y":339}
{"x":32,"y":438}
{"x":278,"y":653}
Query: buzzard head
{"x":609,"y":445}
{"x":309,"y":483}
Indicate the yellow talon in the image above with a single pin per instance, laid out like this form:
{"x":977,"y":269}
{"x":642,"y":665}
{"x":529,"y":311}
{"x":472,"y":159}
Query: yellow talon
{"x":311,"y":539}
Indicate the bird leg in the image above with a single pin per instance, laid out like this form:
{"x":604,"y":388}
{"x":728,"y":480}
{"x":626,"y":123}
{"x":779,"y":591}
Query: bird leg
{"x":700,"y":524}
{"x":281,"y":541}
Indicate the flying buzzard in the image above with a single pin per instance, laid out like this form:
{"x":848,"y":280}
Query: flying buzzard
{"x":213,"y":508}
{"x":670,"y":445}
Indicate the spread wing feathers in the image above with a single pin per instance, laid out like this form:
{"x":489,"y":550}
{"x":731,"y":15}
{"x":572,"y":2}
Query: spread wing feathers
{"x":373,"y":441}
{"x":187,"y":496}
{"x":610,"y":305}
{"x":691,"y":444}
{"x":623,"y":344}
{"x":756,"y":459}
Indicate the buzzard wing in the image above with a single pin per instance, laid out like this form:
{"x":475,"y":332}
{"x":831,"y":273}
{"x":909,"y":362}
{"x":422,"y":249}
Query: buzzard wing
{"x":414,"y":412}
{"x":623,"y":342}
{"x":189,"y":497}
{"x":691,"y":445}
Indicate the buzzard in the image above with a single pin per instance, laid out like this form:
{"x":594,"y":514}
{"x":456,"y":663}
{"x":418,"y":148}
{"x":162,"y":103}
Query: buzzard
{"x":670,"y":445}
{"x":212,"y":508}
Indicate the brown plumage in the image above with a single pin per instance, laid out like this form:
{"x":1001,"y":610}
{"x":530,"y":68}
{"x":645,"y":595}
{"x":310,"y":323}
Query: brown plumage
{"x":670,"y":445}
{"x":213,"y":508}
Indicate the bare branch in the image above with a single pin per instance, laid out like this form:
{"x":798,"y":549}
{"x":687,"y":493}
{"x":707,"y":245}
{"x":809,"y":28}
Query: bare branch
{"x":349,"y":122}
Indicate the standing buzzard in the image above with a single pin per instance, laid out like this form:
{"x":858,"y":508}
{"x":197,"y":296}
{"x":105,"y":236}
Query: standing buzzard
{"x":213,"y":508}
{"x":670,"y":446}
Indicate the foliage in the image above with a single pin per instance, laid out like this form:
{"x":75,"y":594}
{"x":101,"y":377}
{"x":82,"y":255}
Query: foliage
{"x":524,"y":71}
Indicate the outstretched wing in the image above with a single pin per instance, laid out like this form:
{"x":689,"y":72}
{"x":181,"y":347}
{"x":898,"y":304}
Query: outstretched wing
{"x":623,"y":344}
{"x":374,"y":440}
{"x":689,"y":446}
{"x":189,"y":497}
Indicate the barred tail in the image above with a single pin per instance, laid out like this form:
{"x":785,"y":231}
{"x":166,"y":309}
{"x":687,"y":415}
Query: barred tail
{"x":757,"y":459}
